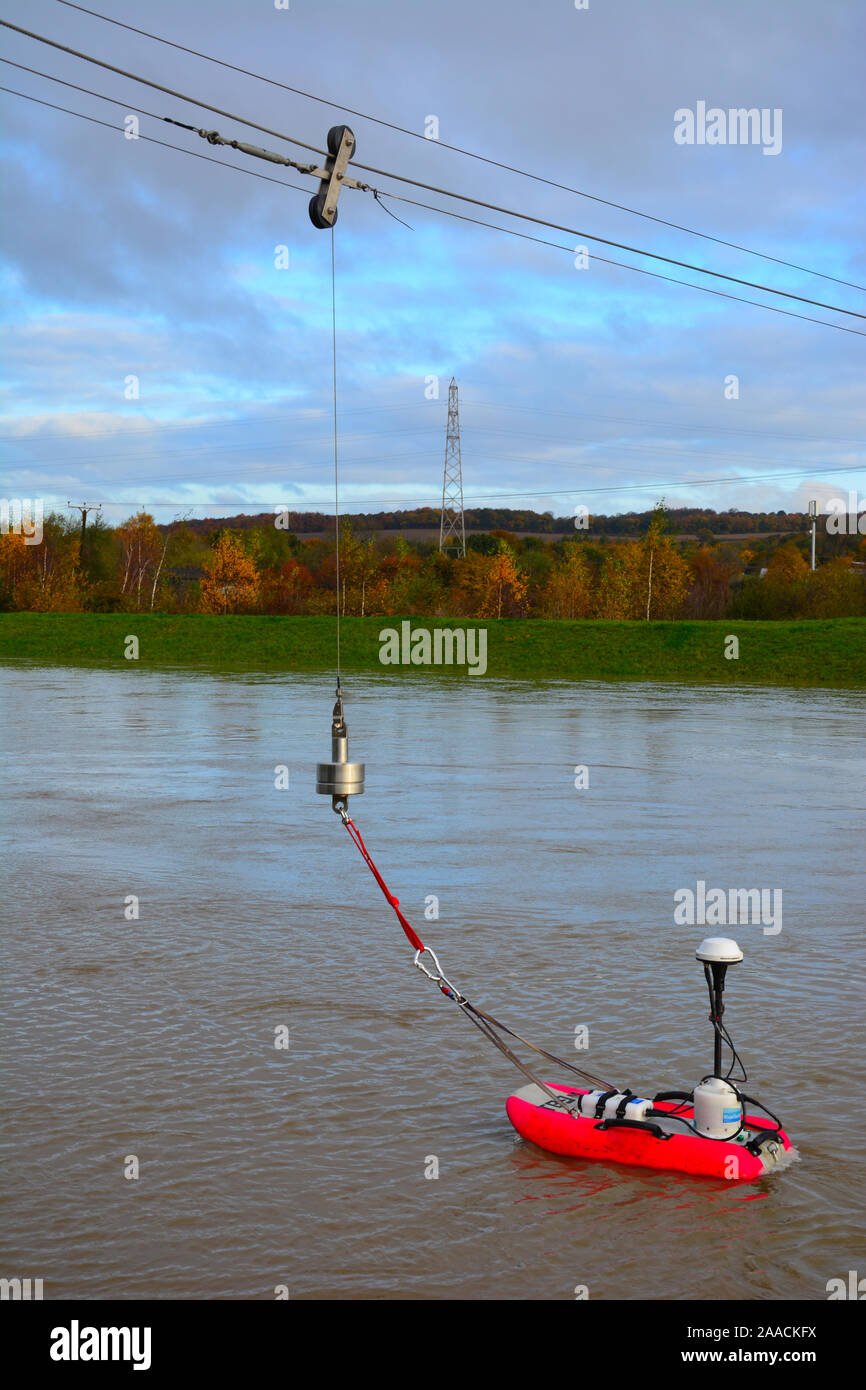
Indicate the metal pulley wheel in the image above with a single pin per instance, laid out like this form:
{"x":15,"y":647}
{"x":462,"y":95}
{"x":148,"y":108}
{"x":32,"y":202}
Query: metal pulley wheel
{"x":341,"y":148}
{"x":335,"y":140}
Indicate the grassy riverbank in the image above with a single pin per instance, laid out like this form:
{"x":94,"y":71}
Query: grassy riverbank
{"x":828,"y":652}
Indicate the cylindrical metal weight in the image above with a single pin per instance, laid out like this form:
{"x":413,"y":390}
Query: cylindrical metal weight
{"x":340,"y":778}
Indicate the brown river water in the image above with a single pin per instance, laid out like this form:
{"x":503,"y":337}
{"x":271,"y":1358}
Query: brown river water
{"x":302,"y":1167}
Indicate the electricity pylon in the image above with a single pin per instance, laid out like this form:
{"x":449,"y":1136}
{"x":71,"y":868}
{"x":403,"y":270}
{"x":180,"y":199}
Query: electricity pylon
{"x":452,"y":529}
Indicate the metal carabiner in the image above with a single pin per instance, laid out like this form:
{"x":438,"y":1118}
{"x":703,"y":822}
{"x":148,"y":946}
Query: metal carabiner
{"x":428,"y":950}
{"x":441,"y":979}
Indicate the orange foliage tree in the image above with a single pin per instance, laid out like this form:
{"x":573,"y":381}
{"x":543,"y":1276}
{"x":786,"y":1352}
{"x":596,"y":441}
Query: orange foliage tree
{"x":142,"y":550}
{"x":286,"y":589}
{"x":613,"y":591}
{"x":504,"y":586}
{"x":568,"y":589}
{"x":13,"y":565}
{"x":47,"y":577}
{"x":711,"y":584}
{"x":230,"y":583}
{"x":836,"y":590}
{"x":788,"y":563}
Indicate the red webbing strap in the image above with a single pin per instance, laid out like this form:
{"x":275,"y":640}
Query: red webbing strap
{"x":355,"y":833}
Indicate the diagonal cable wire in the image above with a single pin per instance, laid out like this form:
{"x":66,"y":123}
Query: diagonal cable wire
{"x":433,"y":188}
{"x":414,"y":202}
{"x":151,"y":139}
{"x":606,"y":260}
{"x":457,"y":149}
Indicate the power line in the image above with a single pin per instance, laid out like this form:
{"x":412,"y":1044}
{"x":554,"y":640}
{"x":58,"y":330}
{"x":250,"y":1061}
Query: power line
{"x":443,"y":192}
{"x":27,"y":464}
{"x":184,"y":427}
{"x":578,"y":445}
{"x":361,"y":437}
{"x":157,"y":86}
{"x":88,"y":91}
{"x":695,"y":426}
{"x":497,"y":496}
{"x":207,"y":451}
{"x":457,"y":149}
{"x":404,"y":502}
{"x":638,"y":270}
{"x":151,"y":140}
{"x":445,"y":212}
{"x":143,"y":435}
{"x":379,"y":193}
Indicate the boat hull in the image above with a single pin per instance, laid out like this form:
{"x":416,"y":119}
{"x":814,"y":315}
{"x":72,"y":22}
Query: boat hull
{"x":576,"y":1136}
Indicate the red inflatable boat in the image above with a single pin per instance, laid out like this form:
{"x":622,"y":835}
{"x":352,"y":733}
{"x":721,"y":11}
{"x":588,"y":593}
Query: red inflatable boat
{"x":665,"y":1138}
{"x":706,"y":1131}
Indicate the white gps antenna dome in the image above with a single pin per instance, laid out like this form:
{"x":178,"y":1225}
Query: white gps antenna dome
{"x":719,"y":950}
{"x":717,"y":953}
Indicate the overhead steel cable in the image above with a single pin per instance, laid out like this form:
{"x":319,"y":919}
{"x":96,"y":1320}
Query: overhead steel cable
{"x":166,"y":144}
{"x":603,"y":241}
{"x":158,"y":86}
{"x":414,"y":202}
{"x":101,"y":96}
{"x":444,"y":192}
{"x":400,"y":503}
{"x":457,"y":149}
{"x":142,"y":432}
{"x":638,"y":269}
{"x":577,"y":447}
{"x":264,"y":475}
{"x":693,"y":427}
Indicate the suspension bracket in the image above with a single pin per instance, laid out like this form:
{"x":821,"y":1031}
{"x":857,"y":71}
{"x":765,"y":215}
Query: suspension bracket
{"x":323,"y":205}
{"x":339,"y":779}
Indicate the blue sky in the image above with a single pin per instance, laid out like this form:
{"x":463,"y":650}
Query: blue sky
{"x":600,"y":386}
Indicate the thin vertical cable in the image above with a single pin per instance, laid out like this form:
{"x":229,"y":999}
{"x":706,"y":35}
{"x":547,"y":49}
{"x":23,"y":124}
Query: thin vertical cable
{"x":336,"y":465}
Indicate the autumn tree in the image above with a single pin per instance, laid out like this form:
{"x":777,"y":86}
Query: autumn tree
{"x":14,"y":559}
{"x":612,"y":596}
{"x":398,"y":570}
{"x":359,"y":587}
{"x":836,"y":590}
{"x":51,"y":581}
{"x":668,"y":580}
{"x":469,"y":584}
{"x":286,"y":589}
{"x":142,"y":550}
{"x":433,"y":585}
{"x":568,"y":592}
{"x":667,"y":573}
{"x":787,"y":563}
{"x":711,"y":583}
{"x":230,"y":583}
{"x":504,"y":585}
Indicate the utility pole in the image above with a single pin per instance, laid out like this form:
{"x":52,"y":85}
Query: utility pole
{"x":656,"y":527}
{"x":84,"y":508}
{"x":452,"y":523}
{"x":813,"y":512}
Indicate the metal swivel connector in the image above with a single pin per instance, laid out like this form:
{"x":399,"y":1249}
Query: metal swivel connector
{"x":339,"y":779}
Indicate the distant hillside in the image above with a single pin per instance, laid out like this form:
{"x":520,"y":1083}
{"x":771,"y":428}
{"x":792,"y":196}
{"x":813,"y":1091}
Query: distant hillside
{"x":681,"y":520}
